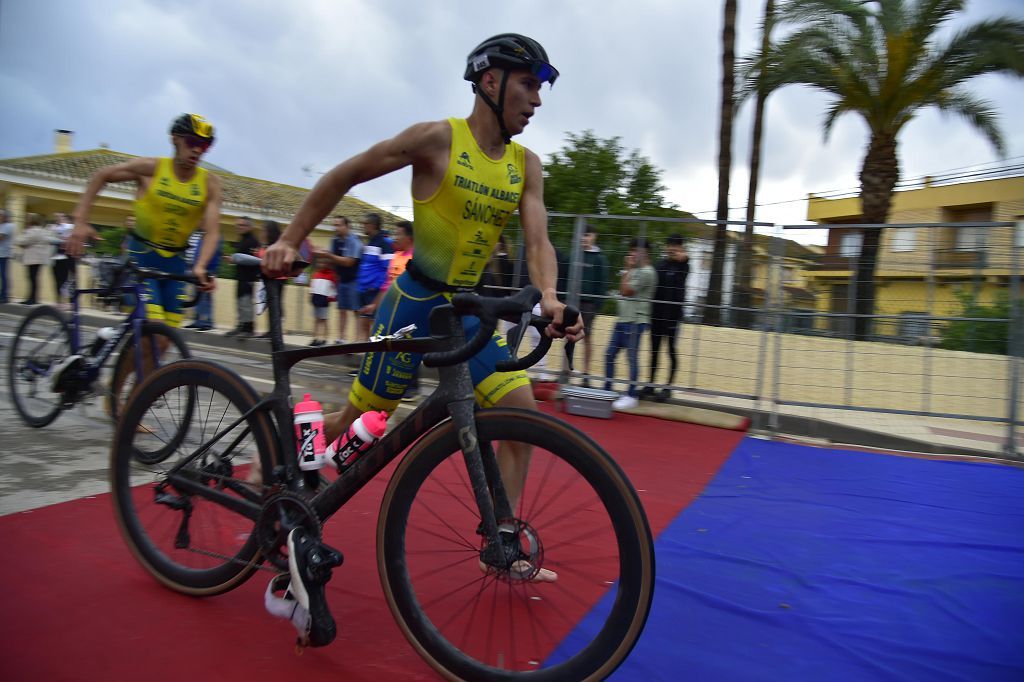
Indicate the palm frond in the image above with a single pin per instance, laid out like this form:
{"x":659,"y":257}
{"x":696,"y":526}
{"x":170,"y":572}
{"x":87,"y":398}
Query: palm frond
{"x":978,"y":112}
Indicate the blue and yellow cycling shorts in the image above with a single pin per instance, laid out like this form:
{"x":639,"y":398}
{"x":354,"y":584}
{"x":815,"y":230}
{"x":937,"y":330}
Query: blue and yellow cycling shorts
{"x":163,"y":298}
{"x":385,"y":376}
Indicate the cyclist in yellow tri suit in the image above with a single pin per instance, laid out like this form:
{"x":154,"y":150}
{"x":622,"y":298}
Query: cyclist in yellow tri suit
{"x":468,"y":177}
{"x":174,"y":197}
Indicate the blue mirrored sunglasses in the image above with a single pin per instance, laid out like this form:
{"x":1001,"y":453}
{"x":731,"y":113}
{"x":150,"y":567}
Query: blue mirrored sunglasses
{"x":544,"y":71}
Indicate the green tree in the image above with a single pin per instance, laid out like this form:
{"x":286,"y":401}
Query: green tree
{"x":592,"y":175}
{"x":987,"y":329}
{"x":886,"y":61}
{"x":596,"y":176}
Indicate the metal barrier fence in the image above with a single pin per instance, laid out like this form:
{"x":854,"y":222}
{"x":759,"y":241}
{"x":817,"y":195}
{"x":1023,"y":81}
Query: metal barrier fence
{"x":945,"y":340}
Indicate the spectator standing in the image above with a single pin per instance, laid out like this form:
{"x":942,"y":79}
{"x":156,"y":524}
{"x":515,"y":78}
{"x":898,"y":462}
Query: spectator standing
{"x":637,"y":283}
{"x":593,"y":289}
{"x":271,"y":233}
{"x":36,"y":244}
{"x":6,"y":241}
{"x":323,"y":288}
{"x":63,"y":266}
{"x":373,"y":270}
{"x":667,"y":311}
{"x":496,"y":280}
{"x":203,"y":315}
{"x":344,"y":254}
{"x":403,"y":249}
{"x":246,"y":276}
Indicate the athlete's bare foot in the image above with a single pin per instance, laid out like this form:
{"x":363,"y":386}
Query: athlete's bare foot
{"x":522,"y":568}
{"x":255,"y":476}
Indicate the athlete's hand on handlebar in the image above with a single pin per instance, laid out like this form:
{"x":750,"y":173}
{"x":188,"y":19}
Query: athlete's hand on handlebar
{"x":79,"y":238}
{"x":206,"y":282}
{"x":551,"y":307}
{"x":278,"y":258}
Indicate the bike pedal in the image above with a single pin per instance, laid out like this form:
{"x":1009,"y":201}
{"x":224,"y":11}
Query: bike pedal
{"x":320,"y":562}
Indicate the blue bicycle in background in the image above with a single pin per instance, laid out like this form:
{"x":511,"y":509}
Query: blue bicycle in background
{"x":50,"y":370}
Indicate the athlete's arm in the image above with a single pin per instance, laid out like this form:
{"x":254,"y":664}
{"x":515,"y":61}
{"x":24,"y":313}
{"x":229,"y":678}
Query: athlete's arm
{"x":410,"y":147}
{"x":129,"y":171}
{"x":211,"y":225}
{"x":540,"y":254}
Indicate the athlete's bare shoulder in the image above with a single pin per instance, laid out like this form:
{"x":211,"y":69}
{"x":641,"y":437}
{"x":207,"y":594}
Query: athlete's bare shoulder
{"x":139,"y":170}
{"x":422,"y":141}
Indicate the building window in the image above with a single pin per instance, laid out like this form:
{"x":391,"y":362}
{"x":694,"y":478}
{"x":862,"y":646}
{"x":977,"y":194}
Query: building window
{"x":850,"y":243}
{"x":903,"y":239}
{"x":970,"y":239}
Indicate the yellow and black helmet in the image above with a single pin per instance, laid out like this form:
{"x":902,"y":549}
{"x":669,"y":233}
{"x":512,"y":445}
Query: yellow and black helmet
{"x":193,"y":124}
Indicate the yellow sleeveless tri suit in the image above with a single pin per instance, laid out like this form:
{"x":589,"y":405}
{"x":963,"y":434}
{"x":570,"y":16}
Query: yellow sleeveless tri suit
{"x":166,"y":215}
{"x":454,"y":233}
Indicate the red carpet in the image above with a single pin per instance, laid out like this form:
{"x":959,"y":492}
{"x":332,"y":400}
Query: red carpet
{"x":79,"y":607}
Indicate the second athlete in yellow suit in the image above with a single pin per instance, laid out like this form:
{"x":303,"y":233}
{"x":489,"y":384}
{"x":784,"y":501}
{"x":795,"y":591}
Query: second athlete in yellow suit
{"x":174,"y":197}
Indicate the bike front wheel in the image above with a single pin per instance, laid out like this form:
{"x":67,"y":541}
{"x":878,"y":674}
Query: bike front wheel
{"x":577,"y":515}
{"x":42,"y":341}
{"x":189,"y":517}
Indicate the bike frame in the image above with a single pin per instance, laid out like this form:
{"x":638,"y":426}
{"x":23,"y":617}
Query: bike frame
{"x":453,"y":399}
{"x":132,"y":323}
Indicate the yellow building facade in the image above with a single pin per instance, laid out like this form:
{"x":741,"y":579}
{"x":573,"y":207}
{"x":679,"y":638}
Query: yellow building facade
{"x":943,"y":242}
{"x":50,"y":183}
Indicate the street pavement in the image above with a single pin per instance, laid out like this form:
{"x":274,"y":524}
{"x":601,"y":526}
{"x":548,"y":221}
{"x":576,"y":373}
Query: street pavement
{"x":69,"y":459}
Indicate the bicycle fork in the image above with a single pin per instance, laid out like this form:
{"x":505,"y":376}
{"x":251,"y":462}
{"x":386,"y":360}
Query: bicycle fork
{"x":502,"y":546}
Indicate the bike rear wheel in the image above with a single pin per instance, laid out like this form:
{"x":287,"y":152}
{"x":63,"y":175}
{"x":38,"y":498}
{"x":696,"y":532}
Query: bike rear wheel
{"x":43,"y":339}
{"x":170,"y":346}
{"x":578,"y":515}
{"x":169,"y":511}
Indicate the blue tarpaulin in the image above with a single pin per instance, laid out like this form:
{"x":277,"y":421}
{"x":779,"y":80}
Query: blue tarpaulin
{"x":802,"y":563}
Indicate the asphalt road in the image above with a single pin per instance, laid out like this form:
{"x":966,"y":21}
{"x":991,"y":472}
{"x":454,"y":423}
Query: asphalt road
{"x":69,"y":458}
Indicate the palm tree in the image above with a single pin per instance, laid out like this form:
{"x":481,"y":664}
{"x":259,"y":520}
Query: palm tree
{"x":713,"y":301}
{"x":885,"y":61}
{"x":742,"y":299}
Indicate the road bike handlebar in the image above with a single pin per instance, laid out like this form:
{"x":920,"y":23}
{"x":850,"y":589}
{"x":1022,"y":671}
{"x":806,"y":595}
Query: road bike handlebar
{"x":254,"y":261}
{"x":517,"y":308}
{"x":129,"y":266}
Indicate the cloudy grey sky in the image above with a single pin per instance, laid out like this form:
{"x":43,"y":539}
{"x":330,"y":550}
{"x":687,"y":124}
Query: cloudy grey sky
{"x":295,"y":87}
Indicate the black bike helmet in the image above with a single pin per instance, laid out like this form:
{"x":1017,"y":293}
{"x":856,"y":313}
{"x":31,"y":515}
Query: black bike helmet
{"x":509,"y":52}
{"x":193,"y":124}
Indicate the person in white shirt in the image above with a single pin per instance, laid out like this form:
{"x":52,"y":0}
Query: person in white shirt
{"x":6,"y":240}
{"x":63,"y":265}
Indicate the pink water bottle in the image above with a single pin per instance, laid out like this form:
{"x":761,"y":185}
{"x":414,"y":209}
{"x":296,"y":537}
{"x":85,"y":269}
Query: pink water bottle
{"x":309,"y":434}
{"x":360,"y":437}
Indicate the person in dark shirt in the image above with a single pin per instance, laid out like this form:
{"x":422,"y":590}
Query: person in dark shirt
{"x":667,"y":311}
{"x":496,"y":279}
{"x":246,"y":276}
{"x":593,"y":290}
{"x":345,"y":252}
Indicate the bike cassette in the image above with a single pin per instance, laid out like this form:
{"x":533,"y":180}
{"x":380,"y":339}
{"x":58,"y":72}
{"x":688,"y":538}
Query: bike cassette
{"x":281,"y":513}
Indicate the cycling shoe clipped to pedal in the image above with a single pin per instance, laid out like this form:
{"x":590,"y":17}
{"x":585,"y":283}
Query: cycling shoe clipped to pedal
{"x":286,"y":606}
{"x":309,"y":565}
{"x":65,"y":371}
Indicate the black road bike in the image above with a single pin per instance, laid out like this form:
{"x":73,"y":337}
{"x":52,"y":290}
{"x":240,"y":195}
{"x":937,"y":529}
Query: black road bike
{"x":49,"y":369}
{"x":206,"y":489}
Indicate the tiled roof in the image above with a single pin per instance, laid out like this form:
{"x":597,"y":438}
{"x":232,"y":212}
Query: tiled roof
{"x":239,"y":192}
